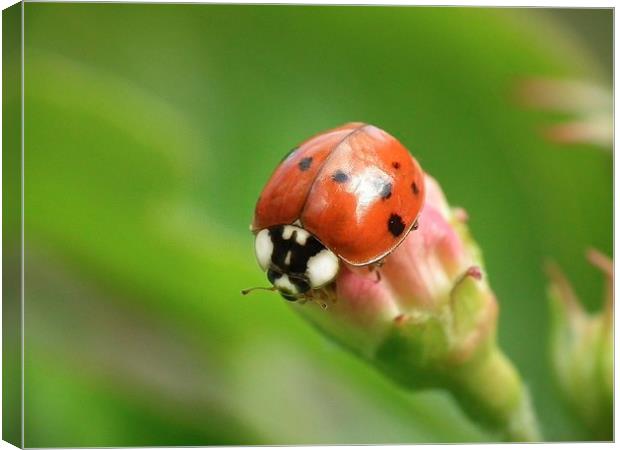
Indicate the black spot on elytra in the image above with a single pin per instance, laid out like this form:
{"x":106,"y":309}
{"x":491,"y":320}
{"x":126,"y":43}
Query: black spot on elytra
{"x":414,"y":188}
{"x":305,"y":163}
{"x":396,"y":225}
{"x":396,"y":165}
{"x":340,"y":177}
{"x":386,"y":191}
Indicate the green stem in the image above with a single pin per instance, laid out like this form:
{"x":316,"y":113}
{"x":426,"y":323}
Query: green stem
{"x":491,"y":391}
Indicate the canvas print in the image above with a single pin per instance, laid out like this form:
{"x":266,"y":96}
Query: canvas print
{"x":302,"y":224}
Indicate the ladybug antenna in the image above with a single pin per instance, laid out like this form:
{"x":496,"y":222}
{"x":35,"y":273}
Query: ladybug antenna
{"x":247,"y":291}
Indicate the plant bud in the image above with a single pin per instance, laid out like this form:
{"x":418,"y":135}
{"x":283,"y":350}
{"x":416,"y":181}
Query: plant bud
{"x":428,"y":319}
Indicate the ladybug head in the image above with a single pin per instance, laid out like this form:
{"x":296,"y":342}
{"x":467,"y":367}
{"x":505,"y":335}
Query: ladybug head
{"x":295,"y":261}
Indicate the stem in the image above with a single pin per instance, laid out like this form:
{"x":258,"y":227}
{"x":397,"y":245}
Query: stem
{"x":491,"y":391}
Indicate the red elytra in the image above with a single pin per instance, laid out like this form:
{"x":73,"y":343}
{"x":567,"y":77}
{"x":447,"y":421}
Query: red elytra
{"x":355,"y":188}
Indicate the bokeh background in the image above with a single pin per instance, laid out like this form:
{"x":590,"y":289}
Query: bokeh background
{"x":150,"y":131}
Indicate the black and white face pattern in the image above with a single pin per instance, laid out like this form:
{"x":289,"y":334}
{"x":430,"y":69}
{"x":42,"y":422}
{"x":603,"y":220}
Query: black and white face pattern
{"x":295,"y":260}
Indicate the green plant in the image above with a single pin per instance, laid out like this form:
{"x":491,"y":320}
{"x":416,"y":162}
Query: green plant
{"x":150,"y":132}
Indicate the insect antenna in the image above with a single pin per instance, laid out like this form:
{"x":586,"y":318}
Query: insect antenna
{"x":247,"y":291}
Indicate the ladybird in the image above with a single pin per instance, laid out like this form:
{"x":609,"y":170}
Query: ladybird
{"x":349,"y":195}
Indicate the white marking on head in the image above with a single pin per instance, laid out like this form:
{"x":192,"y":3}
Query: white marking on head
{"x":322,"y":268}
{"x":287,"y":260}
{"x":287,"y":232}
{"x":284,"y":284}
{"x":301,"y":235}
{"x":264,"y":248}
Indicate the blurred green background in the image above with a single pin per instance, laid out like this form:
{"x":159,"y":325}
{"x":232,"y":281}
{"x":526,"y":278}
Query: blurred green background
{"x":150,"y":131}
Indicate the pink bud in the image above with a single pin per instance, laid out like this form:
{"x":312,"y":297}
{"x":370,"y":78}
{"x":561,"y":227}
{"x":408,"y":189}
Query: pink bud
{"x":427,"y":318}
{"x":421,"y":272}
{"x":419,"y":277}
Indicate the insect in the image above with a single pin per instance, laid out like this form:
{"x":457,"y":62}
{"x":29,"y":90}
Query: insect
{"x":349,"y":195}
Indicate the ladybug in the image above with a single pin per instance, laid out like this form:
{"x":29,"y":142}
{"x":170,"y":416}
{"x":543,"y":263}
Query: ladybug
{"x":349,"y":196}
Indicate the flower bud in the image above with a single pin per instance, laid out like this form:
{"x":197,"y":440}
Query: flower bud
{"x":582,"y":348}
{"x":429,"y":319}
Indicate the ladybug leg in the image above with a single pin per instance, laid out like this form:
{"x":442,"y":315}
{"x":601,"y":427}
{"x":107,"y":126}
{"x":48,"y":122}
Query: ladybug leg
{"x":324,"y":297}
{"x":320,"y":298}
{"x":375,"y":268}
{"x":416,"y":224}
{"x":330,"y":293}
{"x":302,"y":300}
